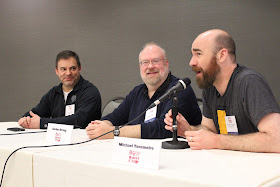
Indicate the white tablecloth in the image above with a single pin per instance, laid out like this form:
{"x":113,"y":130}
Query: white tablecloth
{"x":90,"y":165}
{"x":19,"y":169}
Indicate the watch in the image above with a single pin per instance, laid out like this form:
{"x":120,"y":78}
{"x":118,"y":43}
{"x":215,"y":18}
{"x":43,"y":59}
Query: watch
{"x":116,"y":131}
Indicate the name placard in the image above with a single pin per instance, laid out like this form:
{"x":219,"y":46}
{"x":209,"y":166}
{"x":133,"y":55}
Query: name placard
{"x":136,"y":152}
{"x":59,"y":133}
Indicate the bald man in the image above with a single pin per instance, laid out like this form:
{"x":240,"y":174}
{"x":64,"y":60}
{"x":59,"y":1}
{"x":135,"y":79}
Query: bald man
{"x":154,"y":71}
{"x":239,"y":109}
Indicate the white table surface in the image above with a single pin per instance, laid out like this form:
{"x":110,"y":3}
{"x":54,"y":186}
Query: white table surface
{"x":19,"y":169}
{"x":91,"y":164}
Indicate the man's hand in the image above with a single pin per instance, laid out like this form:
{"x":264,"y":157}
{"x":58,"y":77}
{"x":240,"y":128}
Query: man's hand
{"x":97,"y":128}
{"x":182,"y":124}
{"x":202,"y":139}
{"x":24,"y":122}
{"x":28,"y":122}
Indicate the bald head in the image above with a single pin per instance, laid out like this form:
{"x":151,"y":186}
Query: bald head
{"x":217,"y":39}
{"x":151,"y":46}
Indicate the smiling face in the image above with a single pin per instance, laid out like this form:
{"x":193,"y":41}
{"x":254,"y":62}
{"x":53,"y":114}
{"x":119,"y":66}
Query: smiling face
{"x":153,"y":74}
{"x":203,"y":61}
{"x":68,"y":72}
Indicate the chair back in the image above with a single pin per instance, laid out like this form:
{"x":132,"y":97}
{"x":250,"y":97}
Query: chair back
{"x":111,"y":105}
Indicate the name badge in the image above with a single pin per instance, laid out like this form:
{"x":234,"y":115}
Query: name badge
{"x":69,"y":109}
{"x":59,"y":133}
{"x":151,"y":115}
{"x":231,"y":125}
{"x":136,"y":152}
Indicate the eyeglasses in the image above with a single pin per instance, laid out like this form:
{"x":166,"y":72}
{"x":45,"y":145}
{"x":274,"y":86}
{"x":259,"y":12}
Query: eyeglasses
{"x":154,"y":61}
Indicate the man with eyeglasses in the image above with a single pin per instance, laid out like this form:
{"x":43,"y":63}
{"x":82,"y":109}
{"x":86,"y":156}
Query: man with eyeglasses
{"x":154,"y":71}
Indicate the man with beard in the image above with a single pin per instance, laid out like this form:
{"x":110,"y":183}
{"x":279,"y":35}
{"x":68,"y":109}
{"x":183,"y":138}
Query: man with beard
{"x":75,"y":101}
{"x":154,"y":71}
{"x":239,"y":109}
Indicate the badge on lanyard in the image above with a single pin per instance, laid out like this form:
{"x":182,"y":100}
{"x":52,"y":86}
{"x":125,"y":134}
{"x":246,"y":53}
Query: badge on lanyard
{"x":151,"y":115}
{"x":69,"y":109}
{"x":231,"y":125}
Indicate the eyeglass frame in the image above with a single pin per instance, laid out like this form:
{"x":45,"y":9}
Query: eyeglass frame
{"x":151,"y":61}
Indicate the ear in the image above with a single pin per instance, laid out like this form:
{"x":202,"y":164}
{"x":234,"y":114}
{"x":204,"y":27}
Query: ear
{"x":167,"y":63}
{"x":56,"y":71}
{"x":222,"y":55}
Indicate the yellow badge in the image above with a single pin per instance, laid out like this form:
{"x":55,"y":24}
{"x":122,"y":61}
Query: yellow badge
{"x":222,"y":121}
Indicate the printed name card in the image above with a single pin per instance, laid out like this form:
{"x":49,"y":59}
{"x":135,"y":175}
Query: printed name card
{"x":231,"y":125}
{"x":59,"y":133}
{"x":136,"y":152}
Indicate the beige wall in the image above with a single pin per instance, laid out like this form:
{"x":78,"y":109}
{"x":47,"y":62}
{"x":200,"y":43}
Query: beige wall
{"x":108,"y":35}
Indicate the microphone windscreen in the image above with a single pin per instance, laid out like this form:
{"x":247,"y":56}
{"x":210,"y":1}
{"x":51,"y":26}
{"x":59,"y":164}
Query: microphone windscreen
{"x":187,"y":81}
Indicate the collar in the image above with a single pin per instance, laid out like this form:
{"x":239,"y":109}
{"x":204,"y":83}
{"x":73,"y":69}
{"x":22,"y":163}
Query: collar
{"x":76,"y":87}
{"x":235,"y":71}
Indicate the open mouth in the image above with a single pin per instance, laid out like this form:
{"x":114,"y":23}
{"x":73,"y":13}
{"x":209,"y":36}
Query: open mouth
{"x":198,"y":72}
{"x":152,"y":73}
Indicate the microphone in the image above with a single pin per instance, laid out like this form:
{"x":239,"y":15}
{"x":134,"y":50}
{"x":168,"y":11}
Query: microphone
{"x":181,"y":85}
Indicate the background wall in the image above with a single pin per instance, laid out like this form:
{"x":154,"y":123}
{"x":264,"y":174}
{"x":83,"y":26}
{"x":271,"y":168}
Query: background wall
{"x":109,"y":34}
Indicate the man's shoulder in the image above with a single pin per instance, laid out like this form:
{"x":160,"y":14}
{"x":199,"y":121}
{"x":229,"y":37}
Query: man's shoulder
{"x":247,"y":76}
{"x":174,"y":79}
{"x":244,"y":72}
{"x":56,"y":88}
{"x":85,"y":84}
{"x":138,"y":88}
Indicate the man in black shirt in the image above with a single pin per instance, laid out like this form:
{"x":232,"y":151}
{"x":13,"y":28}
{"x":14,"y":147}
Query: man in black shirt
{"x":75,"y":101}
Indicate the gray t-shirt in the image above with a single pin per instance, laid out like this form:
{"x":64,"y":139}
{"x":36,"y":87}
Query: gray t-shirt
{"x":248,"y":97}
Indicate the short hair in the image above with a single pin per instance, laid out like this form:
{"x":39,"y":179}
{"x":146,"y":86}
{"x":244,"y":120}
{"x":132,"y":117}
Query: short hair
{"x":153,"y":43}
{"x":66,"y":54}
{"x":225,"y":41}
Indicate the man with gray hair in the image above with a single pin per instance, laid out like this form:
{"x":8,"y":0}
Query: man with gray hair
{"x":154,"y":71}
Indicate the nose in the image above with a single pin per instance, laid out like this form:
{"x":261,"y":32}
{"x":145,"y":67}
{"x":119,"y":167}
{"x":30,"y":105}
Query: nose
{"x":193,"y":62}
{"x":68,"y":72}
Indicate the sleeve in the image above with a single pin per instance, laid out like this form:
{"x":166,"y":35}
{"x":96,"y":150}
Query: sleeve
{"x":257,"y":98}
{"x":87,"y":109}
{"x":187,"y":106}
{"x":121,"y":114}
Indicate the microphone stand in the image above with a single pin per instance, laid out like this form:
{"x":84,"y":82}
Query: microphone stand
{"x":175,"y":144}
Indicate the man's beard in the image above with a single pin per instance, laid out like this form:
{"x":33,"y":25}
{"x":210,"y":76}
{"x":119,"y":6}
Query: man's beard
{"x":156,"y":80}
{"x":209,"y":75}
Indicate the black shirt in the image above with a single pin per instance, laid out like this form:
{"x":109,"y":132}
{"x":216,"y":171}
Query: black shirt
{"x":84,"y":95}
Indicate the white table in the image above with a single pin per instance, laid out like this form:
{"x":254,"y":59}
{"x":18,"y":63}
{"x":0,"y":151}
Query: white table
{"x":19,"y":169}
{"x":90,"y":165}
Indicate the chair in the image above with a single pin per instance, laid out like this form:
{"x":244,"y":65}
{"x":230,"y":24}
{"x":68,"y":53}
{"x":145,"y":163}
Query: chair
{"x":111,"y":105}
{"x":199,"y":101}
